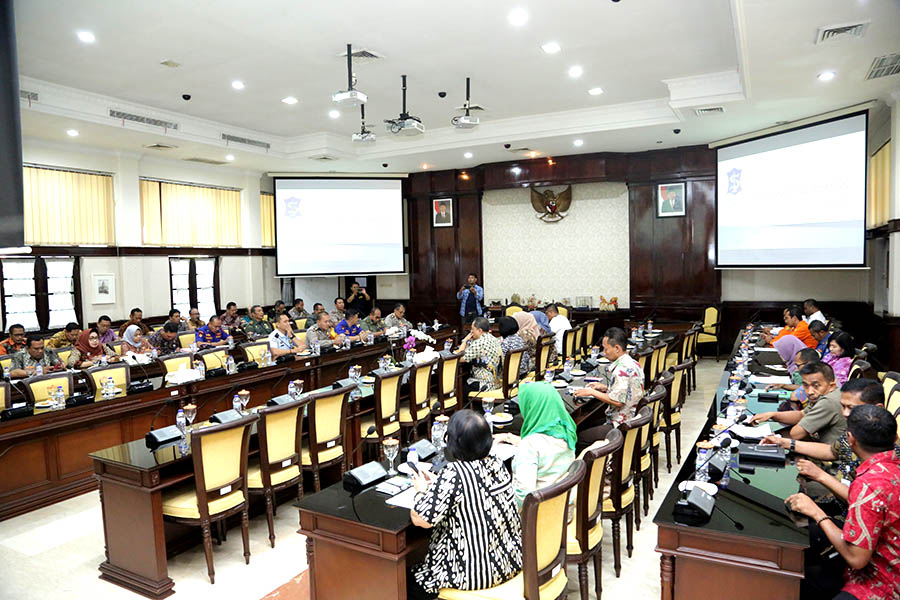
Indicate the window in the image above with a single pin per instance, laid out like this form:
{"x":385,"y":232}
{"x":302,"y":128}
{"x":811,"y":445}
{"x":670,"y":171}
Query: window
{"x":267,"y":219}
{"x":40,"y":293}
{"x":194,"y":285}
{"x":68,"y":207}
{"x":175,"y":214}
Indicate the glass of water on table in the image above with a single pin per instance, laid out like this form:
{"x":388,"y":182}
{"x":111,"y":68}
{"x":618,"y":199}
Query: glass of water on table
{"x":391,"y":450}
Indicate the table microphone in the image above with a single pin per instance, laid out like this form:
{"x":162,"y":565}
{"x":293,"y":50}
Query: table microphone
{"x":723,"y":444}
{"x":372,"y":429}
{"x":737,"y":524}
{"x":362,"y":477}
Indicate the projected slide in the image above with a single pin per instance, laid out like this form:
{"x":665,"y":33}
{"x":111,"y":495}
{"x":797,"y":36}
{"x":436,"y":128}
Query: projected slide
{"x":795,"y":198}
{"x":338,"y":226}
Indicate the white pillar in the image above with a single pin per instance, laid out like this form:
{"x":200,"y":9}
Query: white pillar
{"x":893,"y":292}
{"x":127,"y":195}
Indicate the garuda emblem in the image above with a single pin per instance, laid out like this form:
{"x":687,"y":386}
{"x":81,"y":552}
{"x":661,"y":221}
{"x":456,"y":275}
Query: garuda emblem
{"x":551,"y":207}
{"x":292,"y":207}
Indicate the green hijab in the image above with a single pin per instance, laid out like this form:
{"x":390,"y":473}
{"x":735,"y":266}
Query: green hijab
{"x":543,"y":411}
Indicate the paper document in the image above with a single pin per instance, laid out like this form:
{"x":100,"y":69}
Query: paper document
{"x":767,"y":350}
{"x":769,"y":379}
{"x":757,"y":433}
{"x":504,"y":451}
{"x":404,"y":499}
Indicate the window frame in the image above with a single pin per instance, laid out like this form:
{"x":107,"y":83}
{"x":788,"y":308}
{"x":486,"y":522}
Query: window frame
{"x":41,"y":290}
{"x":192,"y":283}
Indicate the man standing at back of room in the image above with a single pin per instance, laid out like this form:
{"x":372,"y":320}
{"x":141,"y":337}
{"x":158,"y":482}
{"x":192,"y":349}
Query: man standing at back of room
{"x":470,"y":297}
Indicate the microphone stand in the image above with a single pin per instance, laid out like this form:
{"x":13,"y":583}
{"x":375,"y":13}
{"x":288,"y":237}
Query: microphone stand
{"x":737,"y":524}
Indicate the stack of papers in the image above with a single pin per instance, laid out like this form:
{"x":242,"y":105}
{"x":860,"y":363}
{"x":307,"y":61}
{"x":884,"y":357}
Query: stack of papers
{"x":405,"y":499}
{"x":767,"y":350}
{"x":769,"y":379}
{"x":757,"y":433}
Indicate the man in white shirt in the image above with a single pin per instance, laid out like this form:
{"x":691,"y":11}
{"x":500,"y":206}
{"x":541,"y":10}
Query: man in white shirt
{"x":558,"y":325}
{"x":812,"y":313}
{"x":282,"y":340}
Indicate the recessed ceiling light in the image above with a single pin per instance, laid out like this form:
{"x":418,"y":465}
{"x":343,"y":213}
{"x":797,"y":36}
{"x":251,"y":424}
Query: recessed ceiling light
{"x":72,"y":132}
{"x":237,"y":84}
{"x":533,"y":153}
{"x":575,"y":71}
{"x":86,"y":37}
{"x":551,"y":48}
{"x":468,"y":155}
{"x":290,"y":100}
{"x":424,"y":165}
{"x":334,"y":113}
{"x":595,"y":91}
{"x":578,"y":143}
{"x":826,"y":76}
{"x":517,"y":17}
{"x":229,"y":157}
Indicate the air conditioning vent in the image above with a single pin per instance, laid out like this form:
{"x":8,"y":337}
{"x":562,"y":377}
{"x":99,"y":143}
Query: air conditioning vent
{"x":709,"y":110}
{"x":362,"y":56}
{"x":472,"y":106}
{"x":30,"y":96}
{"x":838,"y":32}
{"x":233,"y":139}
{"x":889,"y":64}
{"x":124,"y":116}
{"x":324,"y":157}
{"x":171,"y":64}
{"x":520,"y":150}
{"x":205,"y":161}
{"x":159,"y":147}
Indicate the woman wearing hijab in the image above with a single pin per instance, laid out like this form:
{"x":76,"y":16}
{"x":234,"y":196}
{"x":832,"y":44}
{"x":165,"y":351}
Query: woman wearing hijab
{"x":547,"y":442}
{"x":511,"y":340}
{"x":133,"y":341}
{"x":529,"y":331}
{"x":788,"y":347}
{"x":543,"y":322}
{"x":88,"y":349}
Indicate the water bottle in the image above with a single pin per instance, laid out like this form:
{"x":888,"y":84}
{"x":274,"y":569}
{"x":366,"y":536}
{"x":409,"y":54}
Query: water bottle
{"x":104,"y":360}
{"x":316,"y":347}
{"x":60,"y":398}
{"x":413,"y":457}
{"x":201,"y":368}
{"x":548,"y":375}
{"x":595,"y":353}
{"x":448,"y":346}
{"x":230,"y":366}
{"x":292,"y":390}
{"x":230,"y":343}
{"x":154,"y":352}
{"x":346,"y":343}
{"x":193,"y":346}
{"x":634,"y":333}
{"x":410,"y":355}
{"x":370,"y":338}
{"x":236,"y":403}
{"x":437,"y":324}
{"x":5,"y":372}
{"x":700,"y":462}
{"x":725,"y":454}
{"x":181,"y":421}
{"x":39,"y":369}
{"x":403,"y":331}
{"x":268,"y":358}
{"x":640,"y":331}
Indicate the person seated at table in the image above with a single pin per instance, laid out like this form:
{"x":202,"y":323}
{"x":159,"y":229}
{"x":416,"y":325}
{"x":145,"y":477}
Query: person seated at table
{"x":212,"y":334}
{"x":104,"y":328}
{"x":476,"y":538}
{"x":869,"y":541}
{"x":194,"y":321}
{"x":297,"y":311}
{"x":511,"y":340}
{"x":133,"y":340}
{"x":33,"y":354}
{"x":66,"y":337}
{"x":482,"y":350}
{"x":135,"y":317}
{"x":820,"y":333}
{"x":804,"y":356}
{"x":373,"y":322}
{"x":349,"y":327}
{"x":277,"y":309}
{"x":558,"y":325}
{"x":529,"y":330}
{"x":257,"y":325}
{"x":623,"y":392}
{"x":822,"y":419}
{"x":546,"y":447}
{"x":87,"y":351}
{"x":282,"y":340}
{"x":337,"y":315}
{"x":323,"y":332}
{"x":794,"y":325}
{"x":812,"y":313}
{"x":165,"y":340}
{"x":248,"y":318}
{"x":318,"y":307}
{"x":175,"y":319}
{"x":840,"y":355}
{"x":230,"y":318}
{"x":396,"y":319}
{"x":15,"y":341}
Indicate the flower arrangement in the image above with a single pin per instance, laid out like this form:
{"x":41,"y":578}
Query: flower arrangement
{"x":409,"y":343}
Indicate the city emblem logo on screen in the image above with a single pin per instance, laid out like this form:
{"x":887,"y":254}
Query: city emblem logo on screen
{"x":292,"y":207}
{"x":734,"y":181}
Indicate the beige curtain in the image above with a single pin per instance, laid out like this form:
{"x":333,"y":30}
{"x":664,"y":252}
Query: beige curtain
{"x":190,"y":215}
{"x":879,"y":203}
{"x":67,"y":207}
{"x":267,"y":218}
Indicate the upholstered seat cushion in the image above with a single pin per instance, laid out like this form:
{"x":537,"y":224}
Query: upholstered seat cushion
{"x":512,"y":589}
{"x":627,"y":499}
{"x":656,"y":439}
{"x":705,"y":337}
{"x":671,"y":359}
{"x":595,"y":535}
{"x":495,"y":394}
{"x":181,"y":502}
{"x":254,"y":475}
{"x":389,"y":428}
{"x":324,"y":456}
{"x":449,"y":403}
{"x":406,"y":415}
{"x":675,"y":419}
{"x":645,"y":462}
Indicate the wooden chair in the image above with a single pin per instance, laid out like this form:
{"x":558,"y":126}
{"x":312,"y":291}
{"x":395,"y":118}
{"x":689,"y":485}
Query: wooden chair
{"x":590,"y":330}
{"x":213,"y":358}
{"x":563,"y":310}
{"x":327,"y":423}
{"x":568,"y":346}
{"x":418,"y":407}
{"x":116,"y":345}
{"x":543,"y":348}
{"x":447,"y":375}
{"x":858,"y":369}
{"x":63,"y":354}
{"x":656,"y":363}
{"x":584,"y":535}
{"x":5,"y":361}
{"x":643,"y":359}
{"x":175,"y":362}
{"x":665,"y":380}
{"x":671,"y":414}
{"x":5,"y":396}
{"x":578,"y":352}
{"x":512,"y":309}
{"x":186,"y":338}
{"x":385,"y":418}
{"x":621,"y":499}
{"x":37,"y":387}
{"x":300,"y":324}
{"x":709,"y":333}
{"x":255,"y":351}
{"x":509,"y":387}
{"x":219,"y":489}
{"x":892,"y":399}
{"x":120,"y":372}
{"x":644,"y":458}
{"x":544,"y":529}
{"x":280,"y":435}
{"x":695,"y":358}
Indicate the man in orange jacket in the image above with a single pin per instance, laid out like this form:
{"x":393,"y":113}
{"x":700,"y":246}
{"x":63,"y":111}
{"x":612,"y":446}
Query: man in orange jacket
{"x":796,"y":327}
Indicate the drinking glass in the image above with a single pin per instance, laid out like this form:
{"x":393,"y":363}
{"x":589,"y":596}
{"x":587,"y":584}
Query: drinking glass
{"x":244,"y":396}
{"x":190,"y":413}
{"x":570,"y":364}
{"x":355,"y":372}
{"x":439,"y":432}
{"x":391,"y":449}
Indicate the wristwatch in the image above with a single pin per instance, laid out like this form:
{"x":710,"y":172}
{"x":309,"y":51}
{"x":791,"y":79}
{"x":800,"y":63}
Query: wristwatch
{"x":793,"y":446}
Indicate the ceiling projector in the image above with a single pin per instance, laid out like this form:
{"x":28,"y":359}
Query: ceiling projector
{"x":408,"y":126}
{"x":363,"y":136}
{"x":465,"y":122}
{"x":349,"y":98}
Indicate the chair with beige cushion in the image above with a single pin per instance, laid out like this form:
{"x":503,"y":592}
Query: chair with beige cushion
{"x":279,"y":431}
{"x":416,"y":410}
{"x":563,"y":310}
{"x":544,"y":529}
{"x":892,"y":399}
{"x":509,"y":387}
{"x":386,"y":416}
{"x":327,"y":423}
{"x":590,"y":330}
{"x":116,"y":345}
{"x":186,"y":338}
{"x":5,"y":361}
{"x":120,"y":373}
{"x":644,"y":458}
{"x":255,"y":351}
{"x":665,"y":380}
{"x":512,"y":309}
{"x":543,"y":348}
{"x":670,"y":421}
{"x":63,"y":354}
{"x":213,"y":358}
{"x":38,"y":387}
{"x":621,"y":498}
{"x":219,"y":489}
{"x":568,"y":347}
{"x":584,"y":535}
{"x":175,"y":362}
{"x":709,"y":333}
{"x":5,"y":398}
{"x":888,"y":381}
{"x":447,"y":376}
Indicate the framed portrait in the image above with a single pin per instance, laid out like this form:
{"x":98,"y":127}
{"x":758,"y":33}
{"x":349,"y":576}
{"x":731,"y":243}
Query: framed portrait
{"x":443,"y":212}
{"x":670,"y":200}
{"x":103,"y":290}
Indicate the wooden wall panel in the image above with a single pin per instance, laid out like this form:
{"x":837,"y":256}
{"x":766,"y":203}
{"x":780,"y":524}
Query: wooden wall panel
{"x":73,"y":447}
{"x":23,"y":465}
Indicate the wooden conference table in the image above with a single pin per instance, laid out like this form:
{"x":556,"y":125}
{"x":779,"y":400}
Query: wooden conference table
{"x":761,"y":555}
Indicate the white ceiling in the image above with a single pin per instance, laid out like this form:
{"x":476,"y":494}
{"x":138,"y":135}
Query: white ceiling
{"x":755,"y":57}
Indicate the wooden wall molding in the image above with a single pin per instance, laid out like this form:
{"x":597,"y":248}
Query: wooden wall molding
{"x":111,"y":251}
